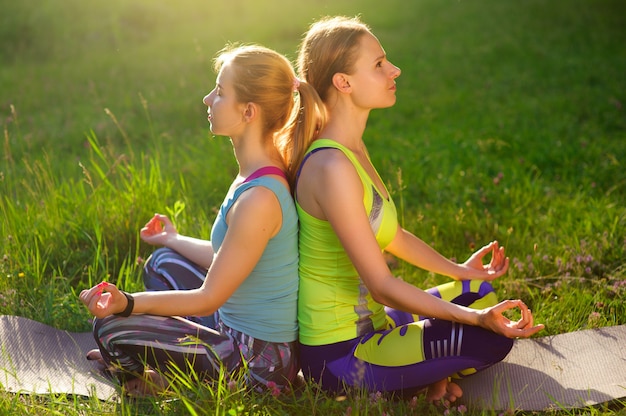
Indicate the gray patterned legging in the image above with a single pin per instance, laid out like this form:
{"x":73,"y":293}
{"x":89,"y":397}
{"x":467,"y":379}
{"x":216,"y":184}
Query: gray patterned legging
{"x":158,"y":342}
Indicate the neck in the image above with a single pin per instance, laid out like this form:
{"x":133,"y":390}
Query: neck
{"x":345,"y":125}
{"x":252,"y":154}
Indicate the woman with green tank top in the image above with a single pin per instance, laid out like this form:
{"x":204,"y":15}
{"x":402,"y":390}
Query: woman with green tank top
{"x":359,"y":325}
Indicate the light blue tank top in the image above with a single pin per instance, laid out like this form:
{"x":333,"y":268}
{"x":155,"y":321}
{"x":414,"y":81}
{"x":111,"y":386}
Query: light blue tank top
{"x":264,"y":306}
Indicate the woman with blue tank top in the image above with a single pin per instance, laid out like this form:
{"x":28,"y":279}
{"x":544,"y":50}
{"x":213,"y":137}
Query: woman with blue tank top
{"x":228,"y":302}
{"x":360,"y":326}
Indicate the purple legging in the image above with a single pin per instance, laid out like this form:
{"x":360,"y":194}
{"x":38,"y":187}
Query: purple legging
{"x":412,"y":352}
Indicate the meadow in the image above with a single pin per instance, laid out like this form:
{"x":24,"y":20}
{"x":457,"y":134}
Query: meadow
{"x":510,"y":125}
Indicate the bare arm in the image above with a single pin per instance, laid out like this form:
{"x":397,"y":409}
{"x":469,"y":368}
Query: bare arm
{"x":340,"y":203}
{"x":408,"y":247}
{"x":160,"y":231}
{"x":253,"y":220}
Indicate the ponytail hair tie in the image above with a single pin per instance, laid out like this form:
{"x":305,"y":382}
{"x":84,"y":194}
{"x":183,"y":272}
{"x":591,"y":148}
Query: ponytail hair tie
{"x":296,"y":84}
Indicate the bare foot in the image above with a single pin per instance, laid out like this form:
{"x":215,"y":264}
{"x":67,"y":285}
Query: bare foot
{"x":150,"y":384}
{"x":95,"y":355}
{"x":443,"y":389}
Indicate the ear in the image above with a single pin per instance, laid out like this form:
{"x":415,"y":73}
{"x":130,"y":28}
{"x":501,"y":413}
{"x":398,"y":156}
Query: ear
{"x":250,"y":112}
{"x":341,"y":82}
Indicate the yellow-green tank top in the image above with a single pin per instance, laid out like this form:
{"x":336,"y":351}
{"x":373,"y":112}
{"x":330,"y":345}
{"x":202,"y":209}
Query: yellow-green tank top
{"x":333,"y":302}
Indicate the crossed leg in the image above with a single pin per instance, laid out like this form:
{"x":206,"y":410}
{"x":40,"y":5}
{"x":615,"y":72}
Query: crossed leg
{"x":443,"y":390}
{"x":150,"y":383}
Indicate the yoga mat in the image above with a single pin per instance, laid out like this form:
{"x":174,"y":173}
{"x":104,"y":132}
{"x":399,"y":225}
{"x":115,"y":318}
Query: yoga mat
{"x":565,"y":371}
{"x":36,"y":358}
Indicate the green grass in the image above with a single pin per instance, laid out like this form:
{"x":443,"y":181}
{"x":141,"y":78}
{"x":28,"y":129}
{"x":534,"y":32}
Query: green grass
{"x":510,"y":125}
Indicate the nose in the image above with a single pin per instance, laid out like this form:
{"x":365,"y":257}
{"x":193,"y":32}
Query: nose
{"x":208,"y":99}
{"x":395,"y":71}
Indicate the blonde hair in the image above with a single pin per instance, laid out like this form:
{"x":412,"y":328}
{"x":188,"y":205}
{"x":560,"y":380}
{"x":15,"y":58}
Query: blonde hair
{"x":291,"y":109}
{"x":329,"y":46}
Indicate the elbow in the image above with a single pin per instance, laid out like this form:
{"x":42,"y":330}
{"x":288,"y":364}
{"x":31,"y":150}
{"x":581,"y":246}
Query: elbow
{"x":205,"y":311}
{"x":379,"y":298}
{"x":388,"y":291}
{"x":379,"y":294}
{"x":204,"y":302}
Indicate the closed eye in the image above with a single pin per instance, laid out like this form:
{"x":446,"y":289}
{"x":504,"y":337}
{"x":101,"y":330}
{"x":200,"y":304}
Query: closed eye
{"x":380,"y":60}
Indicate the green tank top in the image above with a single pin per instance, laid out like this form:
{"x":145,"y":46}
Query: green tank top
{"x":333,"y":302}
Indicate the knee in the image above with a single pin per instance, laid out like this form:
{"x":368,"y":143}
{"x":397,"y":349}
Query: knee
{"x":157,"y":257}
{"x":152,"y":269}
{"x":100,"y":324}
{"x":100,"y":327}
{"x":501,"y":347}
{"x":97,"y":326}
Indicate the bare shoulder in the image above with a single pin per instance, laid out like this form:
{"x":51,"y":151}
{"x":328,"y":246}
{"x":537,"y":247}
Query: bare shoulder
{"x":257,"y":199}
{"x":329,"y":183}
{"x":256,"y":211}
{"x":326,"y":167}
{"x":327,"y":157}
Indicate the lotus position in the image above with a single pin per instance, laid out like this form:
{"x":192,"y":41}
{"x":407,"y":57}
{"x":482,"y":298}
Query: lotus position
{"x":359,"y":325}
{"x":239,"y":307}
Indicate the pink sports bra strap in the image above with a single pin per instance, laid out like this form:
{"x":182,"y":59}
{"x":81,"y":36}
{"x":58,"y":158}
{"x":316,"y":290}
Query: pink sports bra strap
{"x":266,"y":170}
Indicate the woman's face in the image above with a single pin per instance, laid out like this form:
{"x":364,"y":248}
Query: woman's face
{"x":373,"y":80}
{"x":226,"y":113}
